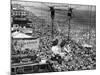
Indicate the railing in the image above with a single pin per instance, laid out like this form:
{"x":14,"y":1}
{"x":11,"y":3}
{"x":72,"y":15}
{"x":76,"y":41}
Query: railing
{"x":31,"y":68}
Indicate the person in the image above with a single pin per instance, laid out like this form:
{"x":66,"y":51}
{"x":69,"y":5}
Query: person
{"x":55,"y":48}
{"x":57,"y":54}
{"x":59,"y":48}
{"x":55,"y":42}
{"x":62,"y":44}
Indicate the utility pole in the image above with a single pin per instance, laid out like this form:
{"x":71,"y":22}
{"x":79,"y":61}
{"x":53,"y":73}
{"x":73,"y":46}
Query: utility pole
{"x":52,"y":17}
{"x":52,"y":29}
{"x":68,"y":29}
{"x":69,"y":14}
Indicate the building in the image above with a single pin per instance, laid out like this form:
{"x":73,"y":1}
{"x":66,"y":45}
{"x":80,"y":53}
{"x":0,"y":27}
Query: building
{"x":19,"y":16}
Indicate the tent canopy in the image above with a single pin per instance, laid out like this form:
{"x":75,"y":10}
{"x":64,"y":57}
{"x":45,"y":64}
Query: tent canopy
{"x":20,"y":35}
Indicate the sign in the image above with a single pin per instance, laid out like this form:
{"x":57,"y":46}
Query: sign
{"x":30,"y":44}
{"x":16,"y":18}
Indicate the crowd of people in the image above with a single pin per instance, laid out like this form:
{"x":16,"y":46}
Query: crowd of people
{"x":62,"y":54}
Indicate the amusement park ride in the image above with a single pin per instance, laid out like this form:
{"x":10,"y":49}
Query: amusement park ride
{"x":52,"y":10}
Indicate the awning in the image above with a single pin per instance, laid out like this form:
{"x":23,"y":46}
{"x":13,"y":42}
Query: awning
{"x":20,"y":35}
